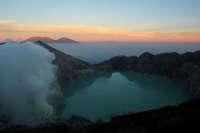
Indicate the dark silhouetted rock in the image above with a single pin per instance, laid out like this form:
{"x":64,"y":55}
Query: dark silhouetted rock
{"x":69,"y":68}
{"x":118,"y":63}
{"x":184,"y":69}
{"x":146,"y":63}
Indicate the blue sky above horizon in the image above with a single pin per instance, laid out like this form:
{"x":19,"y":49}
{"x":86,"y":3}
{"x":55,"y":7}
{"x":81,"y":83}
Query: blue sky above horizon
{"x":157,"y":16}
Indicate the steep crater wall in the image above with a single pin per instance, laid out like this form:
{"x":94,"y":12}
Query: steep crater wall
{"x":183,"y":69}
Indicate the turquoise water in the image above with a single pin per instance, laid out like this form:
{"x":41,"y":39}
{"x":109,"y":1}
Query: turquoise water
{"x":118,"y":94}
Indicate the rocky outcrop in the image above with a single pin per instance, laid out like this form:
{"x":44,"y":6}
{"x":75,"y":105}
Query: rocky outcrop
{"x":70,"y":69}
{"x":119,"y":63}
{"x":184,"y":69}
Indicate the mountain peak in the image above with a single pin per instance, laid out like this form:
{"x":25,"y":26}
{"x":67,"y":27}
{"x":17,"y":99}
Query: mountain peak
{"x":38,"y":38}
{"x":64,"y":40}
{"x":50,"y":40}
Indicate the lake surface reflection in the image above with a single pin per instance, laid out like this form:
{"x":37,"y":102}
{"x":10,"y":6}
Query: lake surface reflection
{"x":120,"y":93}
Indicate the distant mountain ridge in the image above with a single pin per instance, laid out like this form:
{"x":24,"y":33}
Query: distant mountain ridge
{"x":50,"y":40}
{"x":1,"y":43}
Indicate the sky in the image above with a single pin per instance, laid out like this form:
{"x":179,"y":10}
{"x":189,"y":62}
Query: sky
{"x":102,"y":20}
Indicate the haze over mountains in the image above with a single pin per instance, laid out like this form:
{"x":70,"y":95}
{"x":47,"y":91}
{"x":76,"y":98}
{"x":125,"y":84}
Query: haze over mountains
{"x":50,"y":40}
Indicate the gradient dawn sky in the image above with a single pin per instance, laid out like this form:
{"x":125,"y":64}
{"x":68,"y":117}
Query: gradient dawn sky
{"x":102,"y":20}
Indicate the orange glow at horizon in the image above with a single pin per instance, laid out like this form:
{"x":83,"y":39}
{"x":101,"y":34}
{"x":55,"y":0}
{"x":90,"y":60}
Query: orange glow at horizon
{"x":18,"y":31}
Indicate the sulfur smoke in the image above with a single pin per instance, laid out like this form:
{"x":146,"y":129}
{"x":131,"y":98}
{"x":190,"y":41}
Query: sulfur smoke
{"x":27,"y":80}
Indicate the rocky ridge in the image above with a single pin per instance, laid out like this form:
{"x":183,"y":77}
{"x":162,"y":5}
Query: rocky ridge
{"x":183,"y":69}
{"x":69,"y":68}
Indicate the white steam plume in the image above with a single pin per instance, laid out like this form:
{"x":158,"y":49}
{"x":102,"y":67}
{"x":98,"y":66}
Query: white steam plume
{"x":27,"y":78}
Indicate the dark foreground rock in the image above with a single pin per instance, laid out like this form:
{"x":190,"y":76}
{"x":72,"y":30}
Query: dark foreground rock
{"x":184,"y":69}
{"x":184,"y":118}
{"x":78,"y":122}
